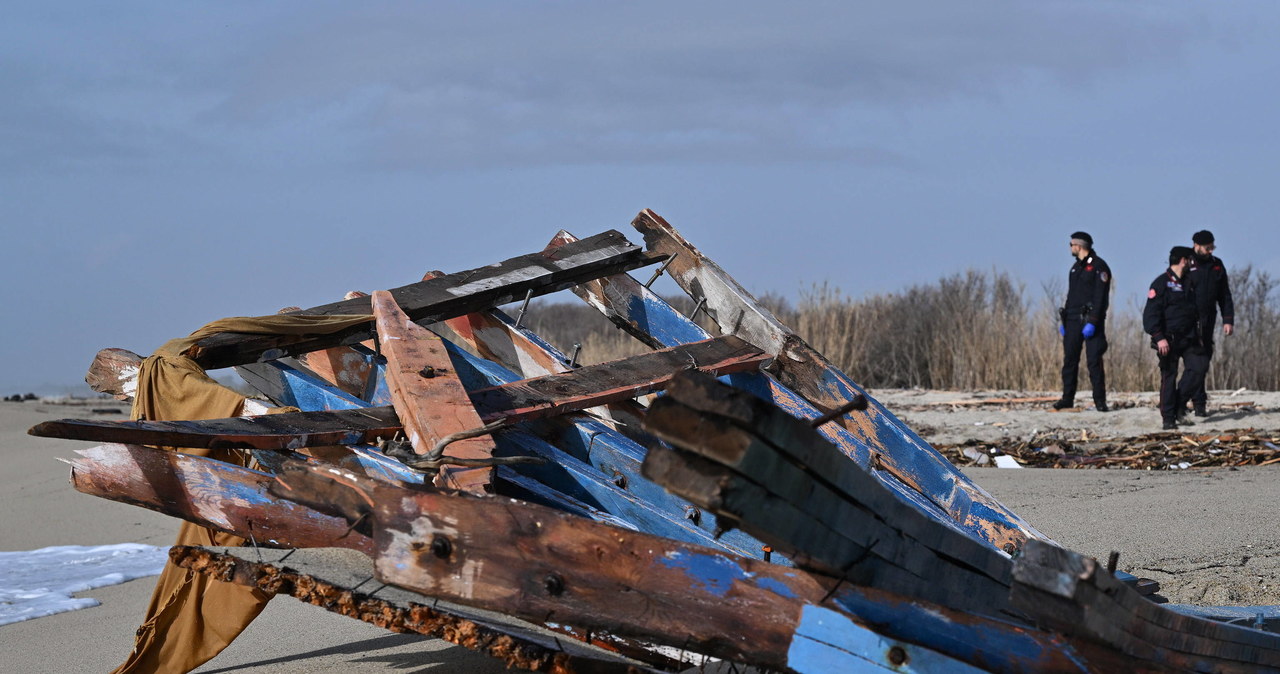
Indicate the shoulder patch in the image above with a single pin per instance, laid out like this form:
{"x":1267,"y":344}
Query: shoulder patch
{"x":1151,"y":294}
{"x":1105,"y":277}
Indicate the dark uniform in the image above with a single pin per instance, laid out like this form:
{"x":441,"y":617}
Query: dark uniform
{"x":1088,"y":294}
{"x":1172,"y":314}
{"x":1208,"y":276}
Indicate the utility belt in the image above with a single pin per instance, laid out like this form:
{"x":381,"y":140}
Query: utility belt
{"x":1083,"y":316}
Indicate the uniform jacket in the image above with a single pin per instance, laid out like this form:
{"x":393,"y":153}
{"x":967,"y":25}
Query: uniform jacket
{"x":1171,"y":312}
{"x":1088,"y":290}
{"x":1213,"y":291}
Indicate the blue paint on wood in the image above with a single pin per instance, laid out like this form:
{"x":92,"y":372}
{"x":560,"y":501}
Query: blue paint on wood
{"x":658,"y":513}
{"x":714,"y":574}
{"x":936,"y":475}
{"x":829,"y":641}
{"x":1007,"y":646}
{"x":777,"y":587}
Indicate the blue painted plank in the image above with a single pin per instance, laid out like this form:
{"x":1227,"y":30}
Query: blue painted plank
{"x":828,"y":641}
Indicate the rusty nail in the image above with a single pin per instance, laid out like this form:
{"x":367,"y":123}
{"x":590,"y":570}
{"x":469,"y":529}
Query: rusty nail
{"x":1112,"y":561}
{"x":619,"y":479}
{"x":441,"y":547}
{"x":768,"y":553}
{"x":573,"y":360}
{"x":693,"y":514}
{"x":554,"y":584}
{"x":524,"y":307}
{"x":897,"y":656}
{"x":858,"y":402}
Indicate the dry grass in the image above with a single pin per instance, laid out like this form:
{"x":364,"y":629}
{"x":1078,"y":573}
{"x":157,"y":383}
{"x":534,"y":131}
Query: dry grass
{"x":974,"y":330}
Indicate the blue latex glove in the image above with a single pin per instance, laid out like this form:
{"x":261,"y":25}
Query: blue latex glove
{"x":1089,"y":330}
{"x":1062,"y":330}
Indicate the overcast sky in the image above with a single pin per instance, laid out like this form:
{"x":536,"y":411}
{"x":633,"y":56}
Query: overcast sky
{"x":166,"y":164}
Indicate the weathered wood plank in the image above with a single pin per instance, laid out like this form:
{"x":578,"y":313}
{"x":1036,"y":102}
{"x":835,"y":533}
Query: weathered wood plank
{"x":1071,"y":593}
{"x":616,"y":380}
{"x":332,"y":579}
{"x":429,"y":398}
{"x":210,"y":493}
{"x":291,"y":430}
{"x":542,"y":565}
{"x":828,"y":641}
{"x":440,"y":298}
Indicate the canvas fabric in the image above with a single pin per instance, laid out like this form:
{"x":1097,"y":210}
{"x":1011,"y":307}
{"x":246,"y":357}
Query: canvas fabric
{"x":192,"y":617}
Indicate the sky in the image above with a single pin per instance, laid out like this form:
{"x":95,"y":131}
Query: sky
{"x":165,"y":164}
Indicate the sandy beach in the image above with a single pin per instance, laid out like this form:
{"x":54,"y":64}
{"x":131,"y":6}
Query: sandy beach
{"x":1209,"y":536}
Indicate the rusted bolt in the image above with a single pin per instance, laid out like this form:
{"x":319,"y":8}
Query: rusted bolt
{"x":427,"y":372}
{"x":441,"y":547}
{"x":897,"y":656}
{"x":554,"y":584}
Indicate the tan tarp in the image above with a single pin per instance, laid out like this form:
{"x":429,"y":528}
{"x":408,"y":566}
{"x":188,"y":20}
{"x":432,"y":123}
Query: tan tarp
{"x":192,"y":617}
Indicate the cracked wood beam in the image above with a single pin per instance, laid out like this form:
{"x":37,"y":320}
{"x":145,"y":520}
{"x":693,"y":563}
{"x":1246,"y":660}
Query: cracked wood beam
{"x":210,"y":493}
{"x":440,"y":298}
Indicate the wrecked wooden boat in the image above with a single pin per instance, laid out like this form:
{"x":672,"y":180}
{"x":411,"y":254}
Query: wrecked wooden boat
{"x":451,"y":473}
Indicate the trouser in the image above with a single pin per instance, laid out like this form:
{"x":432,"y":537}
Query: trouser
{"x":1201,"y":398}
{"x":1094,"y":347}
{"x":1175,"y":393}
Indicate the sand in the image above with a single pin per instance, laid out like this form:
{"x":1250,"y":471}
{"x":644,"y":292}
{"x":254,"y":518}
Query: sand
{"x":1210,"y":536}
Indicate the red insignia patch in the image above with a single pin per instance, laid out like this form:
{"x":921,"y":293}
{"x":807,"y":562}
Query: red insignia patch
{"x":1151,"y":294}
{"x":1217,"y":268}
{"x":1089,"y":268}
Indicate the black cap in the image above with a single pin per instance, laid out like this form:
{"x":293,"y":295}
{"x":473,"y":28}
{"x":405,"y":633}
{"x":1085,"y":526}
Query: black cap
{"x":1203,"y":237}
{"x":1083,"y":236}
{"x":1178,"y":252}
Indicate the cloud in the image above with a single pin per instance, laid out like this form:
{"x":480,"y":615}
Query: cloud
{"x":449,"y":85}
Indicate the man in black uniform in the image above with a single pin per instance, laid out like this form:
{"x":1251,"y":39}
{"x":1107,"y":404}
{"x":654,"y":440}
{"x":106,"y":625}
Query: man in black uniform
{"x":1172,"y":318}
{"x":1209,"y":277}
{"x":1084,"y":318}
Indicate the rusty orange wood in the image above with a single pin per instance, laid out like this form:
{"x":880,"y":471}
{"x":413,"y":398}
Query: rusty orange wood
{"x":428,"y":396}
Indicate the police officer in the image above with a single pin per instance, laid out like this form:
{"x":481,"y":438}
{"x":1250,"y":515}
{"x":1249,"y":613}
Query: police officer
{"x":1209,"y":276}
{"x":1084,"y":316}
{"x":1172,"y":318}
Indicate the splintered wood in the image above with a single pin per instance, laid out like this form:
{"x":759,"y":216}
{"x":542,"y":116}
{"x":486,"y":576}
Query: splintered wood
{"x":1153,"y":451}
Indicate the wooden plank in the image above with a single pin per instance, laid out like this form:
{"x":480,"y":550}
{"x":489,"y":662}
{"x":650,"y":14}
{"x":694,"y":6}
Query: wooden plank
{"x":802,"y":369}
{"x":437,"y":299}
{"x":1069,"y":592}
{"x":617,"y":380}
{"x":333,"y":580}
{"x":541,"y":565}
{"x":828,"y":641}
{"x":210,"y":493}
{"x":291,"y":430}
{"x":429,"y":398}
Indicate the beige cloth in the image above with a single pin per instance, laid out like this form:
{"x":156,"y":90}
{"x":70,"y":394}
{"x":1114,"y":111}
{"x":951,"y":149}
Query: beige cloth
{"x":192,"y":617}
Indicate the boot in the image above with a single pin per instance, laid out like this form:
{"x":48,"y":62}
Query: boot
{"x":1064,"y":404}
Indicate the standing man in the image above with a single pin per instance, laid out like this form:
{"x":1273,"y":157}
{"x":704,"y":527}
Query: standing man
{"x":1084,"y":318}
{"x":1209,"y":277}
{"x":1172,"y":318}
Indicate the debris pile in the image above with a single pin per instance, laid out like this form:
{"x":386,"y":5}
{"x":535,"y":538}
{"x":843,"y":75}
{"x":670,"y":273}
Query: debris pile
{"x":449,"y":472}
{"x":1152,"y":451}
